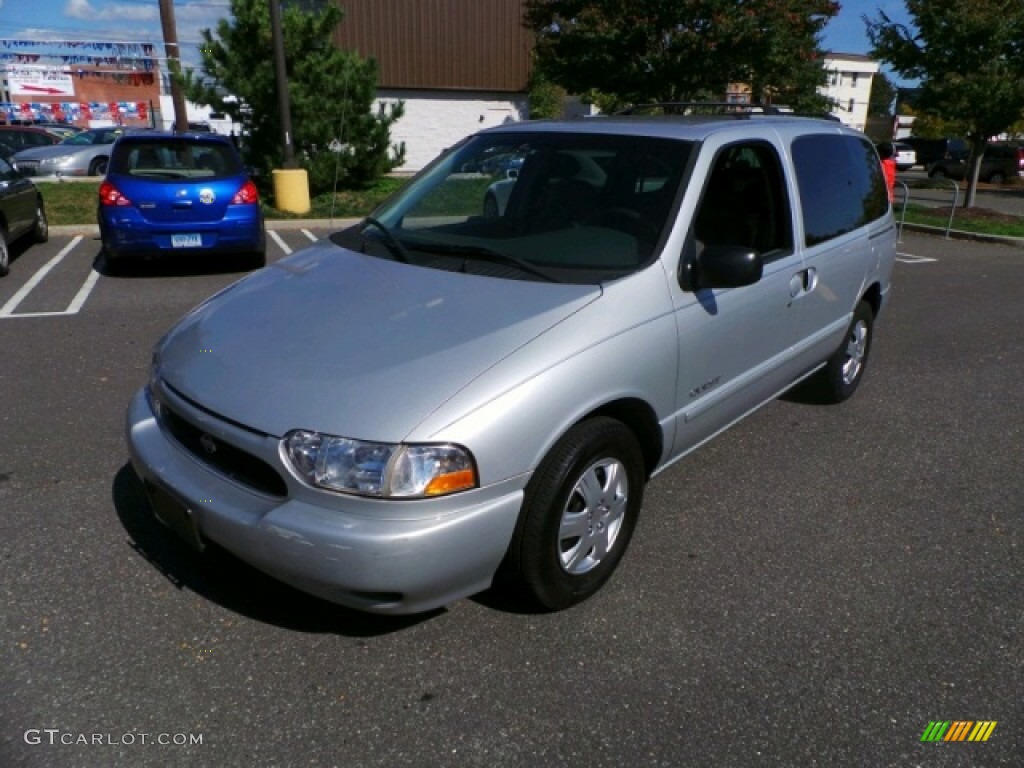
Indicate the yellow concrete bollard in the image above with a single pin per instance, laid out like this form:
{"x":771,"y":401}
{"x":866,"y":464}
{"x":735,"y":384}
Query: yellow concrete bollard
{"x":291,"y":190}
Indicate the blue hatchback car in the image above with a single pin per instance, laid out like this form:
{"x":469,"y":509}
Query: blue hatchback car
{"x":179,"y":194}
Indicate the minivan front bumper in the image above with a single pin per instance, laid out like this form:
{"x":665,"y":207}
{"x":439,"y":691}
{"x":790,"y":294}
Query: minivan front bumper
{"x":412,"y":556}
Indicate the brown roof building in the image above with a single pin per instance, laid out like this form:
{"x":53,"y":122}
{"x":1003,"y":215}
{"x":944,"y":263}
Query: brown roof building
{"x":459,"y":65}
{"x":468,"y":45}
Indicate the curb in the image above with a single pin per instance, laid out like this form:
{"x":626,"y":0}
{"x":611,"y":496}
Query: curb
{"x":960,"y":234}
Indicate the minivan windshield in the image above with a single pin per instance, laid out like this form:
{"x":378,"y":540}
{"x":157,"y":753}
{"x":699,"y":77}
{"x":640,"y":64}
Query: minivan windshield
{"x":570,"y":207}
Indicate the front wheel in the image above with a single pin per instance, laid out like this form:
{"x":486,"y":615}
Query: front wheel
{"x":841,"y":376}
{"x":997,"y":177}
{"x":578,"y":516}
{"x":98,"y":167}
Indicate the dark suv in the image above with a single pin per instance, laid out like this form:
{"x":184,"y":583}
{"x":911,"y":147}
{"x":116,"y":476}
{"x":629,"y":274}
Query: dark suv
{"x":931,"y":151}
{"x":1001,"y":163}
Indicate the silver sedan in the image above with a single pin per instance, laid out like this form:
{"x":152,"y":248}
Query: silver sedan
{"x":84,"y":154}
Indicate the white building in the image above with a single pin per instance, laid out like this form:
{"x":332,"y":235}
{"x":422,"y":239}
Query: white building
{"x":849,"y":86}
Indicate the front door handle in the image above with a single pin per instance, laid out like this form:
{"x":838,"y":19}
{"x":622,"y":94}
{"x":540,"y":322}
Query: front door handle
{"x":803,"y":282}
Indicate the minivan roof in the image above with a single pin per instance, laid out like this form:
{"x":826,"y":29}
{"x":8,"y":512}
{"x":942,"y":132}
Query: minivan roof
{"x":691,"y":127}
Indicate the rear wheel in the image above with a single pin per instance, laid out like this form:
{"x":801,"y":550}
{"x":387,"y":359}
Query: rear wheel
{"x":841,"y":375}
{"x":997,"y":177}
{"x":490,"y":207}
{"x":256,"y":260}
{"x":98,"y":167}
{"x":578,"y":516}
{"x":41,"y":231}
{"x":5,"y":254}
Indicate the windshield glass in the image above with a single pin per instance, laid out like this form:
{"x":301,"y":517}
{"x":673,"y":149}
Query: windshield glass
{"x":576,"y":207}
{"x":86,"y":138}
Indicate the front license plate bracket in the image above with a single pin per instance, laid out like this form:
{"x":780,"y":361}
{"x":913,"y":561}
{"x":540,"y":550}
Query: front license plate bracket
{"x":176,"y":516}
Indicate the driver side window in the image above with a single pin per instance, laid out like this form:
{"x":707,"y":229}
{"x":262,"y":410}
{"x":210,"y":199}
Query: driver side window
{"x":745,"y":202}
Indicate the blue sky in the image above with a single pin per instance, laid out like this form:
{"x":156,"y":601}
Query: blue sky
{"x":139,"y":20}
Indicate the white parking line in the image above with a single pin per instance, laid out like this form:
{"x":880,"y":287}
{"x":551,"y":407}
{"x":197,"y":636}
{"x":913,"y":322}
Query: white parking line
{"x":909,"y":258}
{"x":83,"y":293}
{"x":277,"y":239}
{"x":7,"y":310}
{"x":310,"y":235}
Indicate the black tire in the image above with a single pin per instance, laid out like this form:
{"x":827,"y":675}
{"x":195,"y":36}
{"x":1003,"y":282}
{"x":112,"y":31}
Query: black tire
{"x":255,"y":260}
{"x":98,"y":167}
{"x":842,"y":374}
{"x":936,"y":173}
{"x":491,"y":207}
{"x":5,"y":254}
{"x":591,"y":483}
{"x":41,"y":230}
{"x":997,"y":177}
{"x":112,"y":265}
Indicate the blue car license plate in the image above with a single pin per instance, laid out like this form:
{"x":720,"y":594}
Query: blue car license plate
{"x":186,"y":241}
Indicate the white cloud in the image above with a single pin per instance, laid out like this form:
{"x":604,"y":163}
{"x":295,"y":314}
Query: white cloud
{"x":83,"y":9}
{"x":79,"y":9}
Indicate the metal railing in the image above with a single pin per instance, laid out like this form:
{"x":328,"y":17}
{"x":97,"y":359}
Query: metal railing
{"x":906,"y":200}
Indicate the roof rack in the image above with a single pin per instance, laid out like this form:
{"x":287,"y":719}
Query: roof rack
{"x":738,"y":110}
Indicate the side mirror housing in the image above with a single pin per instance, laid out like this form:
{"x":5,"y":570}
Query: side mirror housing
{"x":718,"y":266}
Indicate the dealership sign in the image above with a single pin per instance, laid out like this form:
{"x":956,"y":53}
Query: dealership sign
{"x":40,"y":82}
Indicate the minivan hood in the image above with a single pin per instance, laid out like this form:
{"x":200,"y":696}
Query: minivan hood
{"x":352,"y":345}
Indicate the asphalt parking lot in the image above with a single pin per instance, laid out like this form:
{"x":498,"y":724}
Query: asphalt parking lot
{"x":813,"y":588}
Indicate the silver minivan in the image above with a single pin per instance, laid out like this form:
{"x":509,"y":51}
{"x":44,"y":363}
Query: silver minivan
{"x":452,"y":394}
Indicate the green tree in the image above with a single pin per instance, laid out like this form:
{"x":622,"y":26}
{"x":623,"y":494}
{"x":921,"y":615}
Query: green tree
{"x":883,"y":95}
{"x":546,"y":99}
{"x":656,"y":50}
{"x":331,"y":93}
{"x":969,"y":57}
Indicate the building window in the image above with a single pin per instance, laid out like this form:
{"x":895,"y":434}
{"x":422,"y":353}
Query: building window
{"x":850,"y":107}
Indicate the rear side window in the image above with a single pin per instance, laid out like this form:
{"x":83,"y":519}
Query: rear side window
{"x":173,"y":159}
{"x":841,"y":185}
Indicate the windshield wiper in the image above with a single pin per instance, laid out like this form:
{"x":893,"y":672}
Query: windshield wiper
{"x":486,"y":254}
{"x":397,"y":247}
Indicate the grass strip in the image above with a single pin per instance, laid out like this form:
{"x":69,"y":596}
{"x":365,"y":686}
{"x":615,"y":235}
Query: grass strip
{"x":74,"y":202}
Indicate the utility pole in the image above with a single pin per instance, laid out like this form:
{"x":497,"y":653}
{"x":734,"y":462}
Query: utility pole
{"x":173,"y":52}
{"x":281,"y":78}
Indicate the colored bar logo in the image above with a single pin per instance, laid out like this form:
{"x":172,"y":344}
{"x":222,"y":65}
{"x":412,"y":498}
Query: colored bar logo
{"x":958,"y":730}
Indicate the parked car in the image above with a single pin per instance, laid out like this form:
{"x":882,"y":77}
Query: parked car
{"x":434,"y":401}
{"x":22,"y":213}
{"x":60,"y":130}
{"x":903,"y":154}
{"x":84,"y":154}
{"x":180,"y":194}
{"x":999,"y":164}
{"x":15,"y":138}
{"x":930,"y":151}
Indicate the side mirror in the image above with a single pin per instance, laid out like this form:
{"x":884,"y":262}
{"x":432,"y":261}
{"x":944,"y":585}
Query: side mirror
{"x":718,"y":266}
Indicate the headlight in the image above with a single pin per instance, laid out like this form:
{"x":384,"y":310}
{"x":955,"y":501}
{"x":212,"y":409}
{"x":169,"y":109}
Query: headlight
{"x":386,"y":470}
